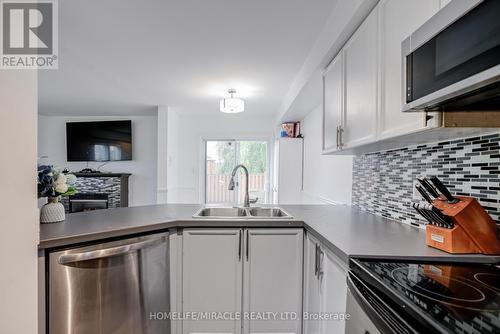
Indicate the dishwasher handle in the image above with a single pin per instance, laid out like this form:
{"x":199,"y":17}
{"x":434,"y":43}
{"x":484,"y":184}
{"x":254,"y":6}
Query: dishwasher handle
{"x":108,"y":252}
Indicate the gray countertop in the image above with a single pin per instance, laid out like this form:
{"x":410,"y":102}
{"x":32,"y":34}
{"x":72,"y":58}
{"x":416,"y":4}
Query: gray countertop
{"x":347,"y":231}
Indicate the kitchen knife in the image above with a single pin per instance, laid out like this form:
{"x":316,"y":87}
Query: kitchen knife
{"x":438,"y":216}
{"x":446,"y":219}
{"x":414,"y":205}
{"x":424,"y":194}
{"x":442,"y":188}
{"x":428,"y":186}
{"x":427,"y":214}
{"x":437,"y":219}
{"x":420,"y":212}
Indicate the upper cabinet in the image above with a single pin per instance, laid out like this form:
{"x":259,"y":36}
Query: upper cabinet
{"x":398,"y":19}
{"x":350,"y":90}
{"x":363,"y":91}
{"x":360,"y":56}
{"x":333,"y":103}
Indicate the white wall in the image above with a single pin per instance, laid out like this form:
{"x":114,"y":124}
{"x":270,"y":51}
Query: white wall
{"x":186,"y":183}
{"x":173,"y":151}
{"x":142,"y":187}
{"x":18,"y":205}
{"x":162,"y":156}
{"x":327,"y":178}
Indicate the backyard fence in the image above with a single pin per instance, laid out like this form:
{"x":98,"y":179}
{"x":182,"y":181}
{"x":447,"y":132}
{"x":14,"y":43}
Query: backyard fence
{"x":217,"y":185}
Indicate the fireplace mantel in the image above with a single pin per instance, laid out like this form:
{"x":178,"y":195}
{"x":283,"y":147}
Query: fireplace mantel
{"x":102,"y":174}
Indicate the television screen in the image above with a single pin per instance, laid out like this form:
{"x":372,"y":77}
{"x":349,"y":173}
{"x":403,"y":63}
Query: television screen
{"x":99,"y":141}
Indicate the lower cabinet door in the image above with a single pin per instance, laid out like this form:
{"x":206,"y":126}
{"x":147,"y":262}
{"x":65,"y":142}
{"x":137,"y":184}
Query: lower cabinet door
{"x":312,"y":302}
{"x":333,"y":292}
{"x":212,"y":278}
{"x":272,"y":280}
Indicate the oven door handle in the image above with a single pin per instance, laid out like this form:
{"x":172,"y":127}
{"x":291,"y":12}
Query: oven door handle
{"x":108,"y":252}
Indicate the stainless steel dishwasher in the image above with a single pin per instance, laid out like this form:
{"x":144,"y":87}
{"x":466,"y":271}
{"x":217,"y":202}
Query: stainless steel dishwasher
{"x":110,"y":288}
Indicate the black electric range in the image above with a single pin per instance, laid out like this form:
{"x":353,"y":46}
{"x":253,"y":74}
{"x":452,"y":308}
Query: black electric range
{"x":428,"y":297}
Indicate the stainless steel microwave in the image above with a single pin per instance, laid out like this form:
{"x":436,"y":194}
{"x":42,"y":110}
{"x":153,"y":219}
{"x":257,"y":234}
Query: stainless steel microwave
{"x":452,"y":62}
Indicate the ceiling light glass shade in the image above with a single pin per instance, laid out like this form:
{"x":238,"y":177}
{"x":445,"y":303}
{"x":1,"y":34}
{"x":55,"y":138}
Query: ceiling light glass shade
{"x":232,"y":105}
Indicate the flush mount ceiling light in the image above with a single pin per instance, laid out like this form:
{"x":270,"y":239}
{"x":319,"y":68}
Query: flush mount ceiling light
{"x":232,"y":105}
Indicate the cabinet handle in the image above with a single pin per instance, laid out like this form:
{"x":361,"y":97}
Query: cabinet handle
{"x":316,"y":260}
{"x":239,"y":245}
{"x":247,"y":244}
{"x":320,"y":263}
{"x":340,"y":137}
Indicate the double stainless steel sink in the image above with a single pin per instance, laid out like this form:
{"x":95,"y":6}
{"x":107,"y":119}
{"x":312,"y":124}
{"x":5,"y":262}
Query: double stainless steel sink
{"x":243,"y":213}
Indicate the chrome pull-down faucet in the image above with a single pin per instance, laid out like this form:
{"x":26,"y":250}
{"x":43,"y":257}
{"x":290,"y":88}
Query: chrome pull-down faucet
{"x":246,"y":201}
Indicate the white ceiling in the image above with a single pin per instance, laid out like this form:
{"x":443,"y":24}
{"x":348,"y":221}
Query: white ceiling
{"x":127,"y":56}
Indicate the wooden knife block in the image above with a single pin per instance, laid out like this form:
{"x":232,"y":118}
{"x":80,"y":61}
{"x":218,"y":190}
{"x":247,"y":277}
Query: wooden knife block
{"x":474,"y":230}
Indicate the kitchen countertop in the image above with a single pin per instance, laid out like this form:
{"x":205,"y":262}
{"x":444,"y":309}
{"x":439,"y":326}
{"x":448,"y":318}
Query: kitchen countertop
{"x":347,"y":231}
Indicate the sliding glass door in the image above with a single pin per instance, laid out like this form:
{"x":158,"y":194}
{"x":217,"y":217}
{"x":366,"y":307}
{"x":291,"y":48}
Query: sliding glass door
{"x":221,"y":156}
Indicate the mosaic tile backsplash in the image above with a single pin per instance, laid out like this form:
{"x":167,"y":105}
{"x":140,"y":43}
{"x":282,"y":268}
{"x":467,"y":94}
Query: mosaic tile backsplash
{"x":104,"y":185}
{"x":383,"y":182}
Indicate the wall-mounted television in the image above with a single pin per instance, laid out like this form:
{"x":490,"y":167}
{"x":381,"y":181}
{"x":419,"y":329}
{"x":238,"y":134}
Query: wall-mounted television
{"x":99,"y":141}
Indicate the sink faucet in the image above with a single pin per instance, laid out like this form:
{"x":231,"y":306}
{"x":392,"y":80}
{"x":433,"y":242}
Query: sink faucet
{"x":246,"y":201}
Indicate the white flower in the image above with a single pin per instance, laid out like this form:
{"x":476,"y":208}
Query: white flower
{"x":61,"y":187}
{"x":61,"y":178}
{"x":60,"y":184}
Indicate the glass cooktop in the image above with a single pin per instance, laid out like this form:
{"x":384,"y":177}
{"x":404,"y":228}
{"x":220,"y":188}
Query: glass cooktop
{"x":456,"y":298}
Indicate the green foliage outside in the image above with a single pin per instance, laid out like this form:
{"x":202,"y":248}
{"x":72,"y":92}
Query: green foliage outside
{"x":253,"y":155}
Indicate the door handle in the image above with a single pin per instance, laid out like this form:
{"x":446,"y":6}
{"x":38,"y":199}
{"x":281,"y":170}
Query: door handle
{"x":108,"y":252}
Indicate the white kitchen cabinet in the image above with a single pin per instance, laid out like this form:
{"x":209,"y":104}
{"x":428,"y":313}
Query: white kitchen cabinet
{"x":361,"y":76}
{"x":311,"y":297}
{"x":398,"y":19}
{"x":242,"y":271}
{"x":289,"y":163}
{"x":333,"y":103}
{"x":333,"y":291}
{"x":369,"y":72}
{"x":325,"y":288}
{"x":211,"y":277}
{"x":273,"y":279}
